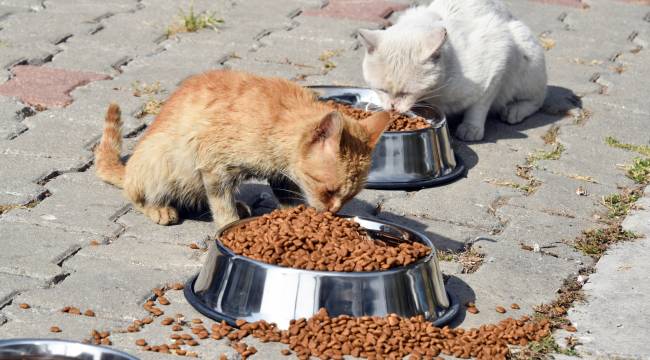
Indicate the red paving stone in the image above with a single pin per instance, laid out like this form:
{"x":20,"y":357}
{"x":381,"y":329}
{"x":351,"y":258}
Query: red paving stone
{"x":364,"y":10}
{"x":572,"y":3}
{"x":46,"y":87}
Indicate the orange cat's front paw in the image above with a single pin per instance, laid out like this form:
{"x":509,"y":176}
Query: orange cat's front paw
{"x":162,"y":215}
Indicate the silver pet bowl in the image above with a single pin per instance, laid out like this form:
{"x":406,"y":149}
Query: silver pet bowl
{"x":404,"y":159}
{"x":231,"y":287}
{"x":51,"y":349}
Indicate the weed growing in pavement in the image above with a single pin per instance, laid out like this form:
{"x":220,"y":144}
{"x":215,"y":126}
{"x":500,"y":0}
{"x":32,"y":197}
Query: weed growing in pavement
{"x":192,"y":22}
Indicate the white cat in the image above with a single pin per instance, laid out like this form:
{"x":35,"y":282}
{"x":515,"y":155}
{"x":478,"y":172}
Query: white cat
{"x":468,"y":56}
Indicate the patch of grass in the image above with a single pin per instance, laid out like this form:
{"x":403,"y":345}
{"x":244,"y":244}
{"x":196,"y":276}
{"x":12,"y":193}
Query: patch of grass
{"x":547,"y":42}
{"x":641,"y":149}
{"x":4,"y":44}
{"x":151,"y":107}
{"x":140,"y":89}
{"x":550,"y":137}
{"x":582,"y":116}
{"x":639,"y":171}
{"x":595,"y":242}
{"x":555,"y":312}
{"x":541,"y":350}
{"x":554,"y":154}
{"x":326,"y":58}
{"x":192,"y":22}
{"x":618,"y":205}
{"x":471,"y":259}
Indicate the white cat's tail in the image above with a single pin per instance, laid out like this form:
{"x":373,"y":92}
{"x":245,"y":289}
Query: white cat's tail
{"x":107,"y":154}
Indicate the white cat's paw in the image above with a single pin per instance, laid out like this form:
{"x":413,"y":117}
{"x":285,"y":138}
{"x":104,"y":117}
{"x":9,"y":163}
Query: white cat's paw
{"x":469,"y":132}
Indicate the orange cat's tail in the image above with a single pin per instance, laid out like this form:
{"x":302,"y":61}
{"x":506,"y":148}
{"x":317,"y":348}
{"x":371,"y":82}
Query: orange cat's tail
{"x":107,"y":155}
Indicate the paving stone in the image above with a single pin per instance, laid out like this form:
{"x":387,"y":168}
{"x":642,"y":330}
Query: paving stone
{"x":157,"y":334}
{"x":551,"y":232}
{"x":96,"y":206}
{"x":112,"y":292}
{"x":34,"y":251}
{"x":36,"y":320}
{"x":18,"y":183}
{"x":134,"y":251}
{"x":138,"y":226}
{"x":39,"y":86}
{"x":376,"y":11}
{"x":11,"y":285}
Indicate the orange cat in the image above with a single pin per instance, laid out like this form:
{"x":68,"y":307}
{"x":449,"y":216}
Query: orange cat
{"x":222,"y":127}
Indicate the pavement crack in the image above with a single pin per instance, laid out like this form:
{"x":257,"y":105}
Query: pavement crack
{"x":62,"y":39}
{"x":67,"y":255}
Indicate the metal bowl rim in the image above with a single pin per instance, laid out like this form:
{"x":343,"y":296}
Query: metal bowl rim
{"x":421,"y":261}
{"x":35,"y":341}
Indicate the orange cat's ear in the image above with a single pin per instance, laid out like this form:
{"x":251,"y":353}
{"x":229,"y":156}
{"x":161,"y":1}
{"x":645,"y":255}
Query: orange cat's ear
{"x":375,"y":125}
{"x":328,"y":132}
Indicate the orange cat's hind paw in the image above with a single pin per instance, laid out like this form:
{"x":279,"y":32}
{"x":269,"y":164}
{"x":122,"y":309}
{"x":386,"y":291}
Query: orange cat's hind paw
{"x":165,"y":215}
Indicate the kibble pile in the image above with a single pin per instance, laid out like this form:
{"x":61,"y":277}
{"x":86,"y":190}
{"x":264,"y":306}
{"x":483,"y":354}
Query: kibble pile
{"x":325,"y":337}
{"x":390,"y":337}
{"x":303,"y":238}
{"x":400,"y":122}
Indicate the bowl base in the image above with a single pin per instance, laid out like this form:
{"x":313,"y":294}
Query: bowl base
{"x":443,"y":318}
{"x":457,"y":172}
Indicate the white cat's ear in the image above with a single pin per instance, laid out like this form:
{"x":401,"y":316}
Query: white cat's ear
{"x":433,"y":44}
{"x":328,"y":132}
{"x":369,"y":39}
{"x":375,"y":125}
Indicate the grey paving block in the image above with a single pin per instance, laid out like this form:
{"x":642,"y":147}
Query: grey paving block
{"x":551,"y":232}
{"x":157,"y":334}
{"x":112,"y":291}
{"x":138,"y":226}
{"x":19,"y":183}
{"x":35,"y":251}
{"x":36,"y":323}
{"x":96,"y":205}
{"x":11,"y":285}
{"x":150,"y":254}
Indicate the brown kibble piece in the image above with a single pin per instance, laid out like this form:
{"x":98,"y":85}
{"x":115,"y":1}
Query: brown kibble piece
{"x":73,"y":310}
{"x":570,"y":328}
{"x":104,"y":334}
{"x":94,"y":242}
{"x":192,"y":354}
{"x":194,"y":246}
{"x":240,"y":322}
{"x":514,"y":306}
{"x":89,"y":313}
{"x":177,"y":286}
{"x":472,"y":310}
{"x":106,"y":341}
{"x":166,"y":321}
{"x":192,"y":342}
{"x":141,"y":342}
{"x":340,"y":244}
{"x":197,"y":321}
{"x":163,"y":300}
{"x":24,"y":306}
{"x":177,"y":327}
{"x":223,"y":357}
{"x":285,"y":352}
{"x":147,"y":320}
{"x":65,"y":309}
{"x":55,"y":329}
{"x":500,"y":309}
{"x":186,"y":336}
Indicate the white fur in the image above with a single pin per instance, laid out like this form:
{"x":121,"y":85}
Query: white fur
{"x":464,"y":56}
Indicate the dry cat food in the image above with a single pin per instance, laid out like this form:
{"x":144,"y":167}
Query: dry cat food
{"x":303,"y":238}
{"x":400,"y":122}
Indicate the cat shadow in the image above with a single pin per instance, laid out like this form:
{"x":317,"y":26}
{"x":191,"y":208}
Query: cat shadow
{"x":463,"y":293}
{"x":558,"y":103}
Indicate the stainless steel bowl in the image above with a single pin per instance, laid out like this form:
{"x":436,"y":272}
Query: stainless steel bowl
{"x":231,"y":287}
{"x":404,"y":159}
{"x":34,"y":349}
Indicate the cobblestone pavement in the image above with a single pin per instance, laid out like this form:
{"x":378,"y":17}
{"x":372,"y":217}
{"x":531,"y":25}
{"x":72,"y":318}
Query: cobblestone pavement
{"x":67,"y":239}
